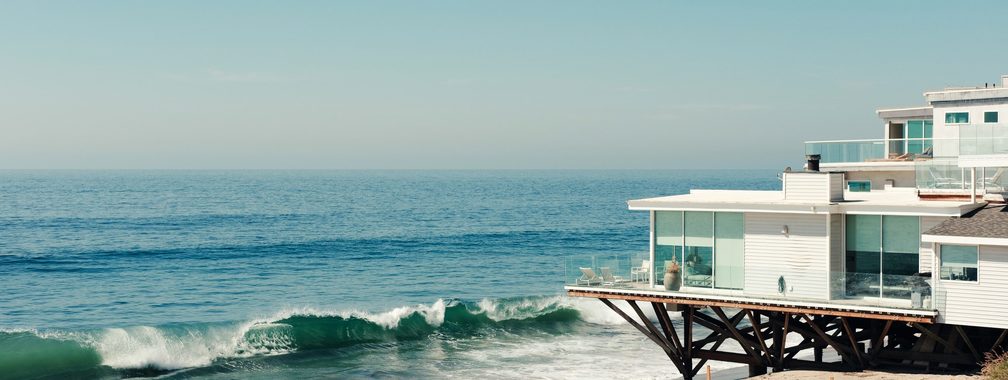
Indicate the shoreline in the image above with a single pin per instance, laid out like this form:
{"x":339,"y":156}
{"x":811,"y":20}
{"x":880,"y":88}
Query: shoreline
{"x":742,"y":372}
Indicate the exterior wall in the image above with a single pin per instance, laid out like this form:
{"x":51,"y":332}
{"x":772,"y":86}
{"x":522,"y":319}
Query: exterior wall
{"x":813,"y":186}
{"x":801,"y":256}
{"x":904,"y":178}
{"x":837,"y":239}
{"x":836,"y":186}
{"x":927,"y":253}
{"x":946,"y":136}
{"x":979,"y":303}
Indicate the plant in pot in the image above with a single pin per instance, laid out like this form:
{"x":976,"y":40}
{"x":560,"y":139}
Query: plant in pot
{"x":671,"y":278}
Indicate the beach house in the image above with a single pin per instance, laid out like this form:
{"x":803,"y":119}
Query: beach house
{"x":888,"y":251}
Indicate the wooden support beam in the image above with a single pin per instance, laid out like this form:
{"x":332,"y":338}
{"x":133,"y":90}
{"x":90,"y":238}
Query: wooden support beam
{"x":759,"y":337}
{"x":698,"y":302}
{"x":969,"y":344}
{"x":727,"y":357}
{"x":930,"y":357}
{"x":688,"y":342}
{"x":648,"y":332}
{"x":853,"y":341}
{"x":843,"y":351}
{"x":937,"y":338}
{"x":783,"y":338}
{"x":877,"y":343}
{"x":1000,"y":339}
{"x":666,"y":325}
{"x":745,"y":343}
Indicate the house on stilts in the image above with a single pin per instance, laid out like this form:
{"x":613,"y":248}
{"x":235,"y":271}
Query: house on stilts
{"x":886,"y":252}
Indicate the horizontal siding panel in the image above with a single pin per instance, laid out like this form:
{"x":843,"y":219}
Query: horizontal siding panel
{"x":979,"y":303}
{"x":801,"y":256}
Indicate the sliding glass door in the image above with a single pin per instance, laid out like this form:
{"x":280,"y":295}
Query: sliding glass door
{"x":882,"y":254}
{"x":668,"y":226}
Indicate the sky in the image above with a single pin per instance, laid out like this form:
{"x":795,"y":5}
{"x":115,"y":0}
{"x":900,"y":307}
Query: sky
{"x":470,"y":84}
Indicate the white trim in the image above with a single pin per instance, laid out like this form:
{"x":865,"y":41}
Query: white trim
{"x":651,"y":249}
{"x":764,"y":301}
{"x":958,"y":281}
{"x":964,"y":240}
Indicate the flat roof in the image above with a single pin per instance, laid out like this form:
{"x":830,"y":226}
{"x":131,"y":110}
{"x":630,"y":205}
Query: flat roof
{"x":954,"y":95}
{"x":890,"y":202}
{"x":899,"y":113}
{"x":986,"y":225}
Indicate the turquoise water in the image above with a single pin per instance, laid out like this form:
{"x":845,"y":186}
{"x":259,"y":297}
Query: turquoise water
{"x":301,"y":274}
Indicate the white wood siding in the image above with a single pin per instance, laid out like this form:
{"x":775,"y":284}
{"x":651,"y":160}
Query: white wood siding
{"x":813,"y":186}
{"x":927,"y":253}
{"x":837,"y":254}
{"x":806,"y":187}
{"x":801,"y":256}
{"x":836,"y":186}
{"x":980,"y":303}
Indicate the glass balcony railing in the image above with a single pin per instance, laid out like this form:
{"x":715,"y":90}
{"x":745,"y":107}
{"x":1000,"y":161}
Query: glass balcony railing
{"x":944,"y":175}
{"x":981,"y":139}
{"x":629,"y":272}
{"x":847,"y":150}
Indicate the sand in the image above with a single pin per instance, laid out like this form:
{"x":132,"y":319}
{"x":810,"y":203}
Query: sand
{"x":866,"y":375}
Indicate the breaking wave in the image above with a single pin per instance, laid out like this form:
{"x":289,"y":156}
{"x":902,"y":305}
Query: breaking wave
{"x":146,"y":350}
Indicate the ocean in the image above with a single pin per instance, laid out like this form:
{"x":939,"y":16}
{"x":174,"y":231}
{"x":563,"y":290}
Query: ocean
{"x":321,"y":274}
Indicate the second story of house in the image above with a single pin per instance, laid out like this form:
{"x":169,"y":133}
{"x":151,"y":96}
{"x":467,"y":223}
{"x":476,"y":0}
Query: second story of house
{"x":931,"y":148}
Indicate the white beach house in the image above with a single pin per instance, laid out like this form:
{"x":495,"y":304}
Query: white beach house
{"x":909,"y":227}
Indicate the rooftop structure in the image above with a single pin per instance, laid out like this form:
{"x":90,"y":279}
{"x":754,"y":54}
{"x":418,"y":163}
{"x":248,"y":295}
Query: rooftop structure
{"x":909,"y":228}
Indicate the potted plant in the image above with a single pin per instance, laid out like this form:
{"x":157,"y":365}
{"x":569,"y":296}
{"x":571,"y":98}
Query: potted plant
{"x":671,"y":278}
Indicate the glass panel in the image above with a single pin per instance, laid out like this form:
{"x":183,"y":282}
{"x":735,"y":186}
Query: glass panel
{"x":915,"y":129}
{"x":668,"y":242}
{"x":699,"y":249}
{"x":915,"y":146}
{"x":956,"y":117}
{"x":859,"y":186}
{"x":864,"y":240}
{"x":959,"y":262}
{"x":900,"y":258}
{"x":991,"y":117}
{"x":728,"y":250}
{"x":928,"y":129}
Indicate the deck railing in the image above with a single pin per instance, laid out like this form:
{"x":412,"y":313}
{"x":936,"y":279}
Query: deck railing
{"x":631,"y":272}
{"x":981,"y":139}
{"x":847,"y":150}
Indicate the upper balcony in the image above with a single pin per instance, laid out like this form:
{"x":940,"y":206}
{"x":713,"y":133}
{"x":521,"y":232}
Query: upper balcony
{"x":872,"y":152}
{"x":983,"y":145}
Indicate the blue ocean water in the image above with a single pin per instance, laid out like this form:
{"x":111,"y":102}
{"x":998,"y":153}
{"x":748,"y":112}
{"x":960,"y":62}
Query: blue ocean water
{"x":301,"y":274}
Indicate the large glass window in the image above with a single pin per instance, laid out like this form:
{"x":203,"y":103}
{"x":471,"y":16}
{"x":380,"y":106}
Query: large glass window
{"x":900,"y":259}
{"x":919,"y":136}
{"x":699,"y":268}
{"x":959,"y":262}
{"x":882,"y":255}
{"x":708,"y":246}
{"x":728,"y":250}
{"x":863,"y":259}
{"x":956,"y":117}
{"x":668,"y":242}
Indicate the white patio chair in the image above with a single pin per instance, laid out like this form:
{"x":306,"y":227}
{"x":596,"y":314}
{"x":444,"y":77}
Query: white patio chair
{"x":641,"y":273}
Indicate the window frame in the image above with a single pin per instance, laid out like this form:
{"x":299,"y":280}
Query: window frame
{"x":941,"y":253}
{"x":996,"y":117}
{"x":947,"y":114}
{"x":859,"y":181}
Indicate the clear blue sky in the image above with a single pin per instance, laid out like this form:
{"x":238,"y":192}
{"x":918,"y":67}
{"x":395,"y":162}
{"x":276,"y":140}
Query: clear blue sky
{"x":470,"y":84}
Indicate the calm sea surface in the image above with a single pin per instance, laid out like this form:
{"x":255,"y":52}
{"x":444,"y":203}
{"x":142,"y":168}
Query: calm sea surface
{"x":308,"y":274}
